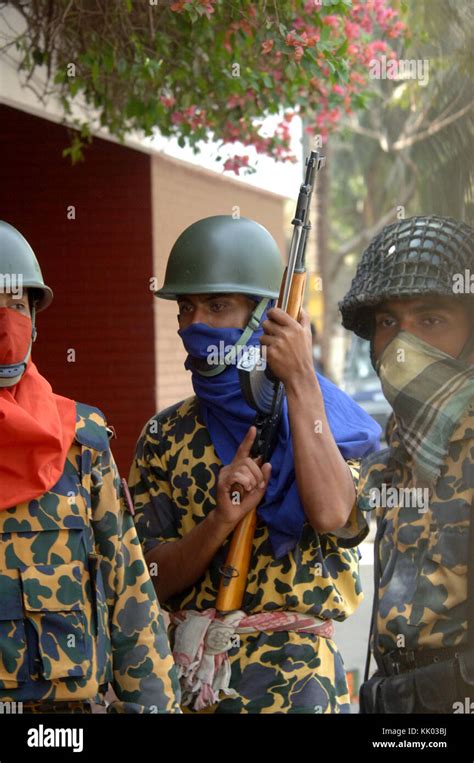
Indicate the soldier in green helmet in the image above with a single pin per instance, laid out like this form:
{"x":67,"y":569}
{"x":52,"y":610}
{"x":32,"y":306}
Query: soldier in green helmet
{"x":413,"y":299}
{"x":276,"y":654}
{"x":77,"y":608}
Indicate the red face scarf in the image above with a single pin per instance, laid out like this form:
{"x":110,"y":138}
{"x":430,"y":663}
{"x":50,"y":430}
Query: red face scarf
{"x":37,"y":427}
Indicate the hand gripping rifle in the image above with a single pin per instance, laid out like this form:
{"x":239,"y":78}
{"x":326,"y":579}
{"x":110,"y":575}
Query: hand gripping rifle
{"x":265,"y":393}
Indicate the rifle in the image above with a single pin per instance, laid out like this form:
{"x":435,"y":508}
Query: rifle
{"x":265,"y":393}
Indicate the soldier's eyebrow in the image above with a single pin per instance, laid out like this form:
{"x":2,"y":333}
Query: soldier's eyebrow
{"x":206,"y":297}
{"x":421,"y":307}
{"x":432,"y":304}
{"x":383,"y":309}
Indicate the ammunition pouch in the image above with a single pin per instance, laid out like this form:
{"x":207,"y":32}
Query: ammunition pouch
{"x":429,"y":688}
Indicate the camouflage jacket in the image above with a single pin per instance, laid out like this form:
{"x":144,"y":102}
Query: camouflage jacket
{"x":173,"y":484}
{"x":423,"y":549}
{"x":77,"y":607}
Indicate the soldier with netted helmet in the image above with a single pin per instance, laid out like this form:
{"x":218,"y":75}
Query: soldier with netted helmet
{"x":412,"y":298}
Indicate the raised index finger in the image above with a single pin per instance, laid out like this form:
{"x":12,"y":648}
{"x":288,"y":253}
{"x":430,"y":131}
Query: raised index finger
{"x":246,"y":445}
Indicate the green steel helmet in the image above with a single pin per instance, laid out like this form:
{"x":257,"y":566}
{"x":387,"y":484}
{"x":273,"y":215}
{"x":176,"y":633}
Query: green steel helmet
{"x":412,"y":257}
{"x":18,"y":259}
{"x":223,"y":255}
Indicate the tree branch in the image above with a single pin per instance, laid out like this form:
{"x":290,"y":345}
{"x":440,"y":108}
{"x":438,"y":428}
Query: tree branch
{"x":434,"y":128}
{"x":368,"y":233}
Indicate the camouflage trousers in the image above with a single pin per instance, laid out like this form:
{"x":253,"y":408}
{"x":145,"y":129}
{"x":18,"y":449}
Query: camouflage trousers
{"x":283,"y":672}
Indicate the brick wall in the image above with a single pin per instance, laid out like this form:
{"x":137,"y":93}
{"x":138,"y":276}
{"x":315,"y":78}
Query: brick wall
{"x":130,"y":208}
{"x":182,"y":194}
{"x":98,"y":266}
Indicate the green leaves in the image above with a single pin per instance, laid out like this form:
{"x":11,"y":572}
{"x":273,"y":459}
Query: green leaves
{"x":38,"y":56}
{"x":342,"y":49}
{"x":197,"y":69}
{"x":75,"y":150}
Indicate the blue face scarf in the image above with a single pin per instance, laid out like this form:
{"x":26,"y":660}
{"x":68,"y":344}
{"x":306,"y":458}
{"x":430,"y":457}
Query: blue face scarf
{"x":228,"y":418}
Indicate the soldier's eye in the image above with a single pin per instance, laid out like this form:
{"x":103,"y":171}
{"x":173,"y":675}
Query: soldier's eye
{"x":385,"y":321}
{"x":432,"y":320}
{"x":217,"y":307}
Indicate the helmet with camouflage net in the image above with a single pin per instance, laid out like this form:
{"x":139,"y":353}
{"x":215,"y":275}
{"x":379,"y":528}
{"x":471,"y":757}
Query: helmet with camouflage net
{"x":18,"y":260}
{"x":413,"y":257}
{"x":221,"y":254}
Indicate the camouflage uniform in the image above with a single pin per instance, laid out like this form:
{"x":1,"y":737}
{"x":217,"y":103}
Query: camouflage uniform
{"x":423,"y":555}
{"x":77,"y":607}
{"x":173,"y":483}
{"x":423,"y":621}
{"x":421,"y":603}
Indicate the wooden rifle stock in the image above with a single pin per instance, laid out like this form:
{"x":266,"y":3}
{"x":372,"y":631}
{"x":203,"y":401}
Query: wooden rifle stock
{"x":234,"y":573}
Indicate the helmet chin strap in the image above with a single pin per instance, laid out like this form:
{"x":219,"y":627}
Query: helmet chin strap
{"x":11,"y":374}
{"x":229,"y":359}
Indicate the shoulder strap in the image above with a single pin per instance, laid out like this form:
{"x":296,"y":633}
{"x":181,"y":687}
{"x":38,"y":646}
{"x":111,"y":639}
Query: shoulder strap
{"x":252,"y":325}
{"x":91,"y":429}
{"x":389,"y":474}
{"x":372,"y":641}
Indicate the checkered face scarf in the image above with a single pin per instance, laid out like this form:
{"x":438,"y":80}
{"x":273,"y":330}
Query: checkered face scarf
{"x":429,"y":391}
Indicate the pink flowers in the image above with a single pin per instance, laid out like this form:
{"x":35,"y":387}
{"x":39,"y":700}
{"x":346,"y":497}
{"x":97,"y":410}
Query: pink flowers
{"x":309,"y":38}
{"x":267,"y":46}
{"x":396,"y":29}
{"x":299,"y":52}
{"x":312,"y":87}
{"x":192,"y":116}
{"x":177,"y":118}
{"x":168,"y":101}
{"x":352,"y":30}
{"x":236,"y":163}
{"x":206,"y":5}
{"x":332,"y":21}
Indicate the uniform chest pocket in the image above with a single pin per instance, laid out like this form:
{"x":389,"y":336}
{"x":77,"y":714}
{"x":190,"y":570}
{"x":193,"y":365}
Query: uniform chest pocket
{"x":451,"y":547}
{"x":53,"y":602}
{"x":45,"y":629}
{"x":13,"y":655}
